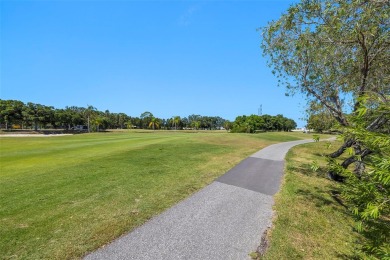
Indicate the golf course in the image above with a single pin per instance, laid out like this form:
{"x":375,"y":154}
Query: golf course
{"x":64,"y":196}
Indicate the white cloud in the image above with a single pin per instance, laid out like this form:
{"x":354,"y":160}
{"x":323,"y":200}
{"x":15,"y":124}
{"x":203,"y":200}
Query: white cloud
{"x":186,"y":17}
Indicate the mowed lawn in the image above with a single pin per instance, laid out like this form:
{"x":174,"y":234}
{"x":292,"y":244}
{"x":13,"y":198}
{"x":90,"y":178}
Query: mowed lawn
{"x":311,"y":220}
{"x":62,"y":197}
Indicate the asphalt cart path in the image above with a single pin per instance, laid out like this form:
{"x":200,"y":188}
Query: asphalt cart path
{"x":224,"y":220}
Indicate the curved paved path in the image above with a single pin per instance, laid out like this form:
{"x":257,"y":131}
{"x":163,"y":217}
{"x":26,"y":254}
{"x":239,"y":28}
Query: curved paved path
{"x":225,"y":220}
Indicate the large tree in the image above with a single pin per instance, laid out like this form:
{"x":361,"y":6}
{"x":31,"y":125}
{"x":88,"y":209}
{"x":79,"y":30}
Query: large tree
{"x":334,"y":52}
{"x":337,"y":53}
{"x":11,"y":112}
{"x":39,"y":115}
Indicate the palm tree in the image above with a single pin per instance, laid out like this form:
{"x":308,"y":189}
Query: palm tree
{"x":89,"y":112}
{"x":176,"y":121}
{"x":99,"y":121}
{"x":196,"y":124}
{"x":154,"y":123}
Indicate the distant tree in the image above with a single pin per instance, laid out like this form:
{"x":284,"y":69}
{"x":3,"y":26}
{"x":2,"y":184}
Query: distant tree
{"x":122,"y":118}
{"x":11,"y":112}
{"x":89,"y":114}
{"x":193,"y":118}
{"x":77,"y":115}
{"x":154,"y":123}
{"x":176,"y":121}
{"x":268,"y":122}
{"x":321,"y":122}
{"x":136,"y":122}
{"x":227,"y":125}
{"x":63,"y":117}
{"x":253,"y":123}
{"x":99,"y":122}
{"x":185,"y":122}
{"x":39,"y":114}
{"x":196,"y":124}
{"x":145,"y":119}
{"x":290,"y":125}
{"x":129,"y":125}
{"x":219,"y":122}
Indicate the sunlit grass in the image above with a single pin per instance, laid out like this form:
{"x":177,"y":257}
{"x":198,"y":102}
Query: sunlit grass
{"x":310,"y":221}
{"x":61,"y":197}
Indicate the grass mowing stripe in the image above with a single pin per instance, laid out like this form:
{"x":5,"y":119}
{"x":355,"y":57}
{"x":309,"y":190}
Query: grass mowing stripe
{"x":141,"y":178}
{"x":48,"y":154}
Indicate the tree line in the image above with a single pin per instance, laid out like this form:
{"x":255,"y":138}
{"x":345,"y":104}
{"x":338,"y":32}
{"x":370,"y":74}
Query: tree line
{"x":255,"y":123}
{"x":15,"y":114}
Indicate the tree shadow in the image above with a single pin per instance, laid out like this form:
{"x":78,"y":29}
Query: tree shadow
{"x":307,"y":170}
{"x":375,"y":234}
{"x":353,"y":256}
{"x":315,"y":197}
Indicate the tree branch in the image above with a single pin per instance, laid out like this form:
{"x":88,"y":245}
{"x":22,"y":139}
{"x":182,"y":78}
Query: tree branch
{"x":353,"y":158}
{"x":340,"y":151}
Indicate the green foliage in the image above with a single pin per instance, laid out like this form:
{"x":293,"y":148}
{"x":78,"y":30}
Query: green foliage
{"x":314,"y":166}
{"x":253,"y":123}
{"x":16,"y":114}
{"x":337,"y":54}
{"x":176,"y":121}
{"x":227,"y":125}
{"x":329,"y":50}
{"x":368,"y":192}
{"x":321,"y":122}
{"x":154,"y":123}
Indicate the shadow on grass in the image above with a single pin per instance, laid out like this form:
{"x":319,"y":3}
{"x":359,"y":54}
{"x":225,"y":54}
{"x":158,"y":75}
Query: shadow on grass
{"x":375,"y":234}
{"x":349,"y":257}
{"x":305,"y":169}
{"x":319,"y":195}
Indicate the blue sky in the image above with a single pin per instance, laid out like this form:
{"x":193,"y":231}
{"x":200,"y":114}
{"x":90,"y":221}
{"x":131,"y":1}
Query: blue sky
{"x":167,"y":57}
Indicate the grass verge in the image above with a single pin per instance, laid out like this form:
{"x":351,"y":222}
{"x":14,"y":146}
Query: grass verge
{"x":310,"y":221}
{"x":61,"y":197}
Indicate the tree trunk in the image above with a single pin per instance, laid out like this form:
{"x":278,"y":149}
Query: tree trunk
{"x":359,"y":168}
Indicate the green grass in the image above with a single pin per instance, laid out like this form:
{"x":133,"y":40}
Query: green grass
{"x":310,"y":220}
{"x":61,"y":197}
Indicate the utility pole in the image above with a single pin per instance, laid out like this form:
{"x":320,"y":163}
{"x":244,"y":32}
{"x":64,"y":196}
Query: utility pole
{"x":260,"y":110}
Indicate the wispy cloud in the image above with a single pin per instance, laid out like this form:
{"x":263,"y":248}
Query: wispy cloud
{"x":186,"y":17}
